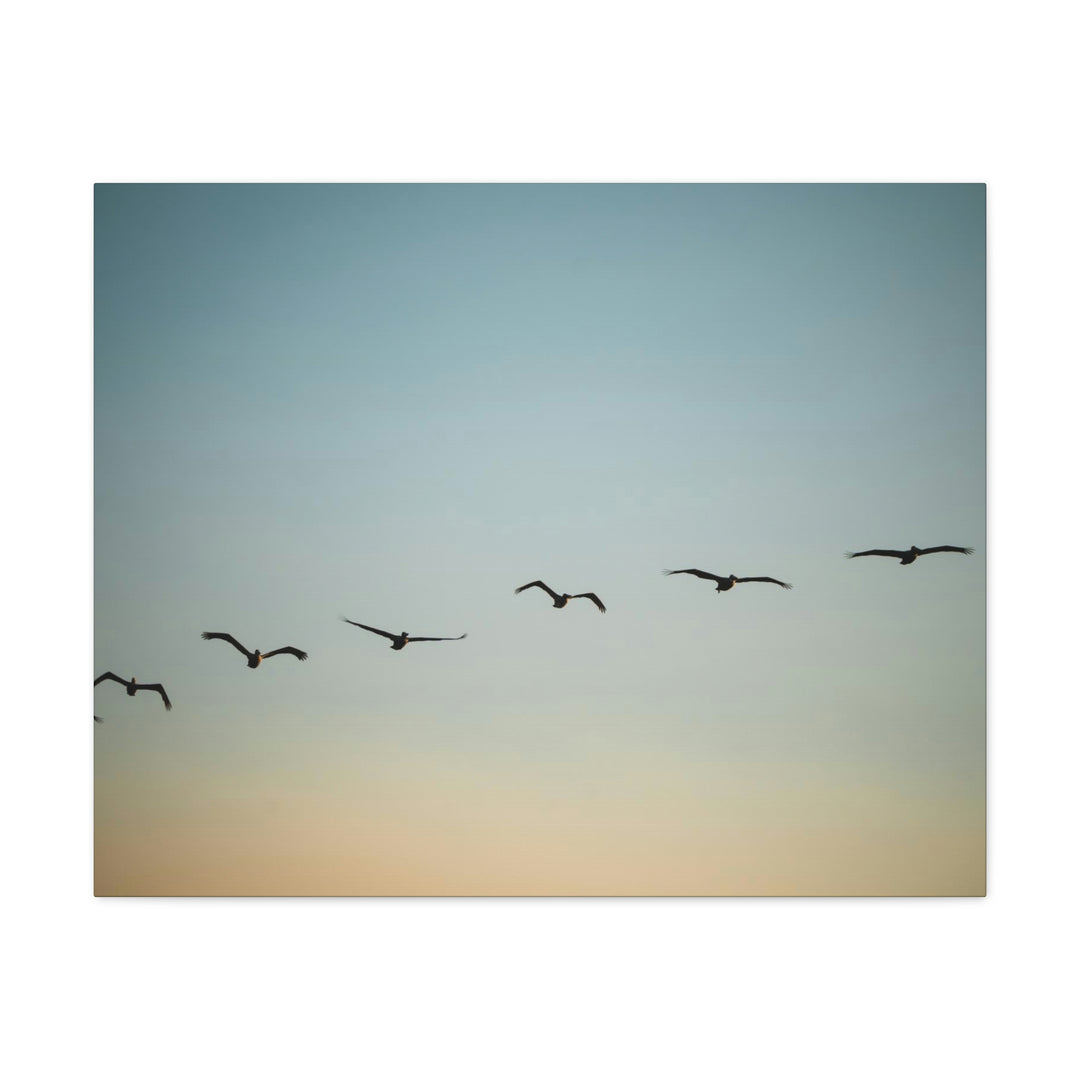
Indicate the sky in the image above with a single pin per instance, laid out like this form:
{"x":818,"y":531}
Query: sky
{"x":397,"y":403}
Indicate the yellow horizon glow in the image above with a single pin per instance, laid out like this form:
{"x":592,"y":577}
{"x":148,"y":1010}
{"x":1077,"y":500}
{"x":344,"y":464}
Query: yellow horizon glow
{"x":605,"y":824}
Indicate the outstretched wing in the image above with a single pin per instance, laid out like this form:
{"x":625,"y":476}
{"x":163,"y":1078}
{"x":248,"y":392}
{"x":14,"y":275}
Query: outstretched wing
{"x":589,"y":596}
{"x":298,"y":653}
{"x":874,"y":551}
{"x":782,"y":584}
{"x":532,"y":584}
{"x":412,"y":639}
{"x":209,"y":635}
{"x":697,"y":573}
{"x":946,"y":547}
{"x":110,"y":675}
{"x":381,"y":633}
{"x":159,"y":688}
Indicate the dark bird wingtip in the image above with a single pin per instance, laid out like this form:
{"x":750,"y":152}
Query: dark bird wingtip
{"x":786,"y":585}
{"x":205,"y":635}
{"x":969,"y":551}
{"x":301,"y":655}
{"x":849,"y":554}
{"x":667,"y":571}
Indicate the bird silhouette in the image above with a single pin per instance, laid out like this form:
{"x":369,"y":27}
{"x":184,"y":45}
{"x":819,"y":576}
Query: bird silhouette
{"x":723,"y":584}
{"x":254,"y":659}
{"x":399,"y":640}
{"x":562,"y":599}
{"x":907,"y":557}
{"x":132,"y":687}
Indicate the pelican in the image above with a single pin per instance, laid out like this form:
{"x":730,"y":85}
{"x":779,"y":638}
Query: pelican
{"x":562,"y":599}
{"x":402,"y":639}
{"x":723,"y":584}
{"x":908,"y":557}
{"x":255,"y":658}
{"x":133,"y":686}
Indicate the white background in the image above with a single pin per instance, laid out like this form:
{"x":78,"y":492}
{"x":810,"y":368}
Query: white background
{"x":524,"y":988}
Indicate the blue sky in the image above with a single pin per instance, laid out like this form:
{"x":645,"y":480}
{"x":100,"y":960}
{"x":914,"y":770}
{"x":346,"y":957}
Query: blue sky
{"x":399,"y":402}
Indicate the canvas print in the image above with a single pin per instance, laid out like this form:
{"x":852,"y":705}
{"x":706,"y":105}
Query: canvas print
{"x":539,"y":539}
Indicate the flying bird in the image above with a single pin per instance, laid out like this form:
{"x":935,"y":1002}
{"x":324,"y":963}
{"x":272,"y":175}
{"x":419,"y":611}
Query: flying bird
{"x":723,"y":584}
{"x":562,"y":599}
{"x":133,"y":686}
{"x":907,"y":557}
{"x":254,"y":659}
{"x":402,"y":639}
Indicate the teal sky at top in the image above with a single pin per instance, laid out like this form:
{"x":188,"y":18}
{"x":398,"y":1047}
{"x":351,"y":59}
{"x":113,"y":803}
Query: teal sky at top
{"x":399,"y":402}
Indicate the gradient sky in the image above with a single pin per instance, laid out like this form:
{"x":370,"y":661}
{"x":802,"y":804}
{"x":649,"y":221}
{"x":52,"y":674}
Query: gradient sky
{"x":399,"y":402}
